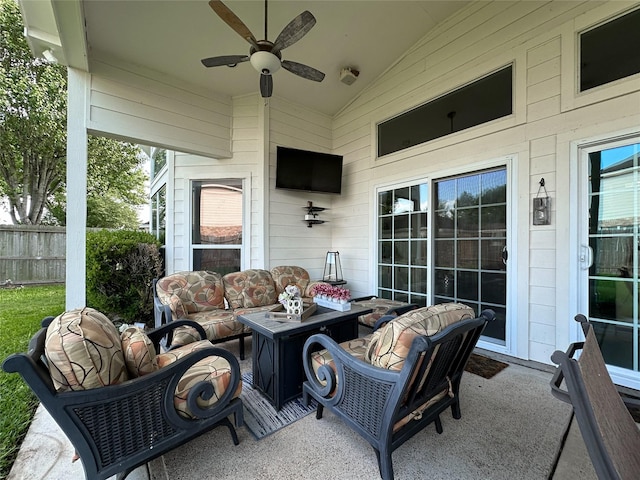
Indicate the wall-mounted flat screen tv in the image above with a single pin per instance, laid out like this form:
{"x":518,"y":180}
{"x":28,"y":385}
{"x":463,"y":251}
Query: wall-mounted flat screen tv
{"x":308,"y":171}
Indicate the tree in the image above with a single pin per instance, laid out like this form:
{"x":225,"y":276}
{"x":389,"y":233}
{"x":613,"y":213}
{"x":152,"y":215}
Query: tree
{"x":33,"y":106}
{"x":33,"y":103}
{"x":112,"y":193}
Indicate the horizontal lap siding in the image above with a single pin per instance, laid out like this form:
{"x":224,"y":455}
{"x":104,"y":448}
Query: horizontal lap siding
{"x":291,"y":241}
{"x":136,"y":105}
{"x":473,"y":42}
{"x":243,"y":163}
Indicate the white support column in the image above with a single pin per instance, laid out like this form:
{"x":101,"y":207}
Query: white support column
{"x":264,"y":139}
{"x":76,"y":278}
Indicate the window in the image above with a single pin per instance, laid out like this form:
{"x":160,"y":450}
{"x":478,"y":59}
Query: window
{"x":158,"y":220}
{"x":217,"y":225}
{"x":479,"y":102}
{"x":610,"y":51}
{"x":158,"y":160}
{"x":402,"y":244}
{"x":470,"y":238}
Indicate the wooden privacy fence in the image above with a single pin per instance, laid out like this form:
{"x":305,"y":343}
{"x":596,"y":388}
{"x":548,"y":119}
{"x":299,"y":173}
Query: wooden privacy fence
{"x":32,"y":254}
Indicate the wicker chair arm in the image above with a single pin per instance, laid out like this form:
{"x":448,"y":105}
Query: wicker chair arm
{"x":374,"y":379}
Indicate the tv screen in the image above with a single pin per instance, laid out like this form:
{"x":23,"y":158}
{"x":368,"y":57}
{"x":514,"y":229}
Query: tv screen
{"x":308,"y":171}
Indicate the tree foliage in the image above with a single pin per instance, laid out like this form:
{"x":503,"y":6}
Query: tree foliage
{"x":33,"y":105}
{"x":33,"y":118}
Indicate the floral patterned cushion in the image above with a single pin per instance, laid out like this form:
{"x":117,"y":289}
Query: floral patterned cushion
{"x":214,"y":369}
{"x":292,"y":275}
{"x":390,"y":346}
{"x":380,"y":306}
{"x":249,"y":288}
{"x":356,"y":347}
{"x":216,"y":324}
{"x":139,"y":352}
{"x":191,"y":292}
{"x":84,"y":351}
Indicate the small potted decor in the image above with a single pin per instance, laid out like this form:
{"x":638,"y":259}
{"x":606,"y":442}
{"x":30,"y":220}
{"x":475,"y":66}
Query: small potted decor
{"x":291,"y":300}
{"x":329,"y":296}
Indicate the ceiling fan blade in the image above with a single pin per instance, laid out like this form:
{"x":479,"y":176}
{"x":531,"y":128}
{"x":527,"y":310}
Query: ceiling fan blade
{"x":294,"y":31}
{"x":266,"y":85}
{"x":233,"y":21}
{"x":228,"y":60}
{"x":303,"y":71}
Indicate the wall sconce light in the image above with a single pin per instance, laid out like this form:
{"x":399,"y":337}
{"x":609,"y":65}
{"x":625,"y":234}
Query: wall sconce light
{"x":542,"y":206}
{"x":49,"y":56}
{"x":333,"y":269}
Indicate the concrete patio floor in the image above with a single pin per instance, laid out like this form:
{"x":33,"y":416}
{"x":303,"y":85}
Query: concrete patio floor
{"x":511,"y":428}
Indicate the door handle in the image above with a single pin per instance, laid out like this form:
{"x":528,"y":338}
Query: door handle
{"x":586,"y":257}
{"x":505,"y":255}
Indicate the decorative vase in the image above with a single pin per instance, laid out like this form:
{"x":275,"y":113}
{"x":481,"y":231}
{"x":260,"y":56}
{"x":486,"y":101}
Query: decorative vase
{"x":294,"y":306}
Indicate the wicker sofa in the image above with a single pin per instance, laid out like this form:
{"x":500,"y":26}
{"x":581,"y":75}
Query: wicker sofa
{"x":118,"y":399}
{"x":215,"y":301}
{"x":382,"y":385}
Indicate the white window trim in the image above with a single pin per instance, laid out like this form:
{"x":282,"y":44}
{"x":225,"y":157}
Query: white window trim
{"x":245,"y":247}
{"x":570,"y":95}
{"x":517,"y":338}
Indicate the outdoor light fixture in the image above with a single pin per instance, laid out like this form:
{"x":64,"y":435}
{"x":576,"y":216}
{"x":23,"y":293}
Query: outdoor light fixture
{"x":265,"y":62}
{"x":542,"y":206}
{"x":49,"y":56}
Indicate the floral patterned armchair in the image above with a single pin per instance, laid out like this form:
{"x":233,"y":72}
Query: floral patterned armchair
{"x":87,"y":375}
{"x":393,"y":383}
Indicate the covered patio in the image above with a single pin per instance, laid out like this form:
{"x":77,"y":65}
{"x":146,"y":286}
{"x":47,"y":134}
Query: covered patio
{"x":451,"y":217}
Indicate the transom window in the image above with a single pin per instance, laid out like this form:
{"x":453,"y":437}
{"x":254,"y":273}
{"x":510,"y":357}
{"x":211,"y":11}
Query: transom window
{"x":481,"y":101}
{"x":610,"y":51}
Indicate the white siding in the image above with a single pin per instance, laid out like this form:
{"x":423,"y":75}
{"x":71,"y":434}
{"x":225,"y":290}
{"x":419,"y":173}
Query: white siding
{"x":145,"y":107}
{"x":539,"y":37}
{"x":291,"y":241}
{"x":238,"y":137}
{"x":245,"y":163}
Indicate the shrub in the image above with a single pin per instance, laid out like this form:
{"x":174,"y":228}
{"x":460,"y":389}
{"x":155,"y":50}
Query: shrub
{"x":121,"y":266}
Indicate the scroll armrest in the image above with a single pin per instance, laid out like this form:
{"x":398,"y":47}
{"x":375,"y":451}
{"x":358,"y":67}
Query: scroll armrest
{"x":329,"y":384}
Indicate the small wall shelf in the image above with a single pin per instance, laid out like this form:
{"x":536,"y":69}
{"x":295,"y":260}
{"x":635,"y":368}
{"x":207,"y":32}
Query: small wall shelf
{"x":311,"y":217}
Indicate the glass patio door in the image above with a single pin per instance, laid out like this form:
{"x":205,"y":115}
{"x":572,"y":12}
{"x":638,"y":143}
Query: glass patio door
{"x":609,"y":255}
{"x":469,"y":245}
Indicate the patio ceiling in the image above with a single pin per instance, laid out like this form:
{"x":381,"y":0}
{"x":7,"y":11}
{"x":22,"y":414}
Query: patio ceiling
{"x":170,"y":37}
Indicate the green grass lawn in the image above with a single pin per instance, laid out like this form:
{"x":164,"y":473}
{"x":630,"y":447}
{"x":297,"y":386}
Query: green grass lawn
{"x":21,"y":311}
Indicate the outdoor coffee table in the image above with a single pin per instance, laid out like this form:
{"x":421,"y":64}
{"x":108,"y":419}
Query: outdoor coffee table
{"x":277,"y":347}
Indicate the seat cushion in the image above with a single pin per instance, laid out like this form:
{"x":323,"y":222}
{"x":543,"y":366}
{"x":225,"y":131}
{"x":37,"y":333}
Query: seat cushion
{"x":84,"y":351}
{"x":217,"y":325}
{"x":215,"y":370}
{"x":191,"y":292}
{"x":139,"y":352}
{"x":390,"y":345}
{"x":249,"y":288}
{"x":356,"y":348}
{"x":380,"y":306}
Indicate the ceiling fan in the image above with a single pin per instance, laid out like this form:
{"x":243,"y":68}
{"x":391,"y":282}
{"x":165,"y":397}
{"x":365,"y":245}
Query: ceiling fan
{"x":266,"y":56}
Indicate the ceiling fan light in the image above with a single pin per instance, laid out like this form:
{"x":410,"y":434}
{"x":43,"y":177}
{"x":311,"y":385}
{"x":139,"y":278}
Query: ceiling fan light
{"x":265,"y":62}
